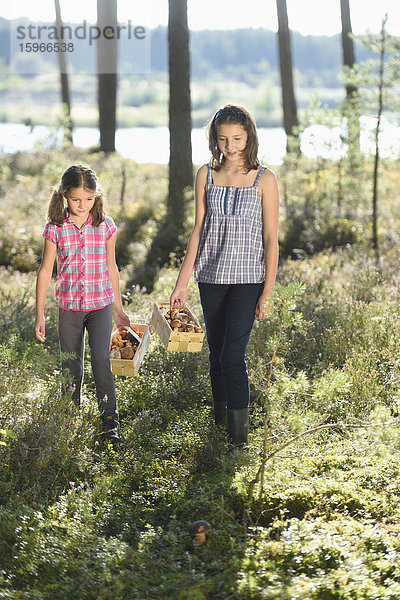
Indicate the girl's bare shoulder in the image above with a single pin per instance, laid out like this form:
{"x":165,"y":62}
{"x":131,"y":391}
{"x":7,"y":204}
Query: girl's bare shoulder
{"x":268,"y":185}
{"x":268,"y":175}
{"x":201,"y":176}
{"x":202,"y":171}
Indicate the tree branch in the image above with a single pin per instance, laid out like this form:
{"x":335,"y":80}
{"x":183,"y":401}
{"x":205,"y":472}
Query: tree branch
{"x":268,"y":457}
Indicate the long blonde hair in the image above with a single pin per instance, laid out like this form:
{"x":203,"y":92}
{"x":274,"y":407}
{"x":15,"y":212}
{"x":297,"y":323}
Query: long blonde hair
{"x":76,"y":176}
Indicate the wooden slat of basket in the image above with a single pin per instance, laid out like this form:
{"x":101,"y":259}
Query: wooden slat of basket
{"x":130,"y":368}
{"x":175,"y":341}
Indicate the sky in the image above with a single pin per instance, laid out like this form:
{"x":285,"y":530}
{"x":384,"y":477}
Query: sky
{"x":309,"y":17}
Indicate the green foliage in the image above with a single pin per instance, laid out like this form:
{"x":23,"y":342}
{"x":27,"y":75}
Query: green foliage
{"x":376,"y":75}
{"x":130,"y":233}
{"x":17,"y":309}
{"x":305,"y":236}
{"x":327,"y":536}
{"x":169,"y":241}
{"x":78,"y":520}
{"x":374,"y":81}
{"x":134,"y":198}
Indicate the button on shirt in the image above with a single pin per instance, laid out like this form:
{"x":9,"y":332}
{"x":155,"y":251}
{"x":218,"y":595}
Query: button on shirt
{"x":83,"y":280}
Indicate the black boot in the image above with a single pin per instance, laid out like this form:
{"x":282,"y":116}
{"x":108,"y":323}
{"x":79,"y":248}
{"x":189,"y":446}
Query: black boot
{"x":238,"y":427}
{"x":220,"y":413}
{"x":111,"y":428}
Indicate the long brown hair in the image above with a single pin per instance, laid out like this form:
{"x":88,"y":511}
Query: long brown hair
{"x":76,"y":176}
{"x":236,"y":115}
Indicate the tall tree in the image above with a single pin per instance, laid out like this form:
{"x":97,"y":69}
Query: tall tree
{"x":347,"y":44}
{"x":62,"y":64}
{"x":376,"y":80}
{"x":382,"y":46}
{"x":180,"y":122}
{"x":170,"y":231}
{"x":290,"y":121}
{"x":351,"y":104}
{"x":107,"y":74}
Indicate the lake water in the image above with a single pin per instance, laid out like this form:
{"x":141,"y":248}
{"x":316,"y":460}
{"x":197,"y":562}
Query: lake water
{"x":141,"y":144}
{"x":151,"y":144}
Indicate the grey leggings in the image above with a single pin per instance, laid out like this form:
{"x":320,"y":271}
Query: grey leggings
{"x":71,"y":332}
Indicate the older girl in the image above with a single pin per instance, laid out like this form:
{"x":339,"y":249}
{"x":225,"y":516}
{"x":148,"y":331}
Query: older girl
{"x":233,"y":250}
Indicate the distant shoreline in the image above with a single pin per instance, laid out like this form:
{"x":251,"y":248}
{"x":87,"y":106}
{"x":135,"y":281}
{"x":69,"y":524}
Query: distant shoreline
{"x":151,"y":144}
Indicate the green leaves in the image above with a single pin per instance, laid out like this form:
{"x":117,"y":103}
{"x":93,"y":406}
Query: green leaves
{"x":8,"y":433}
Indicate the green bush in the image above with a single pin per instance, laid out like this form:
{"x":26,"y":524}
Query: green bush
{"x":307,"y":236}
{"x":79,"y":520}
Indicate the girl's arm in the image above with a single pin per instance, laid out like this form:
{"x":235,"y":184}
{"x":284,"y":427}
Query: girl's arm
{"x":120,"y":317}
{"x":270,"y":202}
{"x":42,"y":285}
{"x":178,"y":296}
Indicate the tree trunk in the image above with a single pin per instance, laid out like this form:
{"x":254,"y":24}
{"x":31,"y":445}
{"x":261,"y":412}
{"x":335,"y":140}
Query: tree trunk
{"x":180,"y":122}
{"x":290,"y":121}
{"x":169,"y":237}
{"x":347,"y":43}
{"x":352,"y":108}
{"x":62,"y":64}
{"x":381,"y":87}
{"x":107,"y":75}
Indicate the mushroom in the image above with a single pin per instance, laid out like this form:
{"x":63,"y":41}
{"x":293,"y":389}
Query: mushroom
{"x":175,"y":324}
{"x":117,"y":340}
{"x":189,"y":328}
{"x":198,"y":330}
{"x":199,"y":529}
{"x":115,"y":353}
{"x":171,"y":313}
{"x":183,"y":317}
{"x":127,"y":352}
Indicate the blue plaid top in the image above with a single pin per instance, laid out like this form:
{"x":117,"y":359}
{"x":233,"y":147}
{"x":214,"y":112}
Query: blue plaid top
{"x":231,"y":248}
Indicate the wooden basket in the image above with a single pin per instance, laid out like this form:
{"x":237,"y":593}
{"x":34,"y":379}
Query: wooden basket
{"x":175,"y":341}
{"x":130,"y":367}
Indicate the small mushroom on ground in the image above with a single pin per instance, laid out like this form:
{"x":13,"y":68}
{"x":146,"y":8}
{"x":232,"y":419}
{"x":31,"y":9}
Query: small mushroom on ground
{"x":199,"y":529}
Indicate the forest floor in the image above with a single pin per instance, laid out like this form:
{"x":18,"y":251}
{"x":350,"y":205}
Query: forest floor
{"x":81,"y":521}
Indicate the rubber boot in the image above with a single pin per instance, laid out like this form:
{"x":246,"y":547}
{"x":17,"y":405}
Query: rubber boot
{"x":111,"y":428}
{"x":220,"y":413}
{"x":238,"y":427}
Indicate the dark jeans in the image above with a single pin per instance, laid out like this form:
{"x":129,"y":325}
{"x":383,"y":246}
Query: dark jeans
{"x":71,"y":331}
{"x":229,"y":316}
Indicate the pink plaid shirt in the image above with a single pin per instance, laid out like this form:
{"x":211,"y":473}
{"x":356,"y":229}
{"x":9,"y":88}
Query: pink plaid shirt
{"x":83,"y":280}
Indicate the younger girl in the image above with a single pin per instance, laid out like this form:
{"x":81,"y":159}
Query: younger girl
{"x":233,"y":250}
{"x":87,"y":287}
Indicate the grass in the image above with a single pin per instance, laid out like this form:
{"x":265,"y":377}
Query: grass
{"x":79,"y":521}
